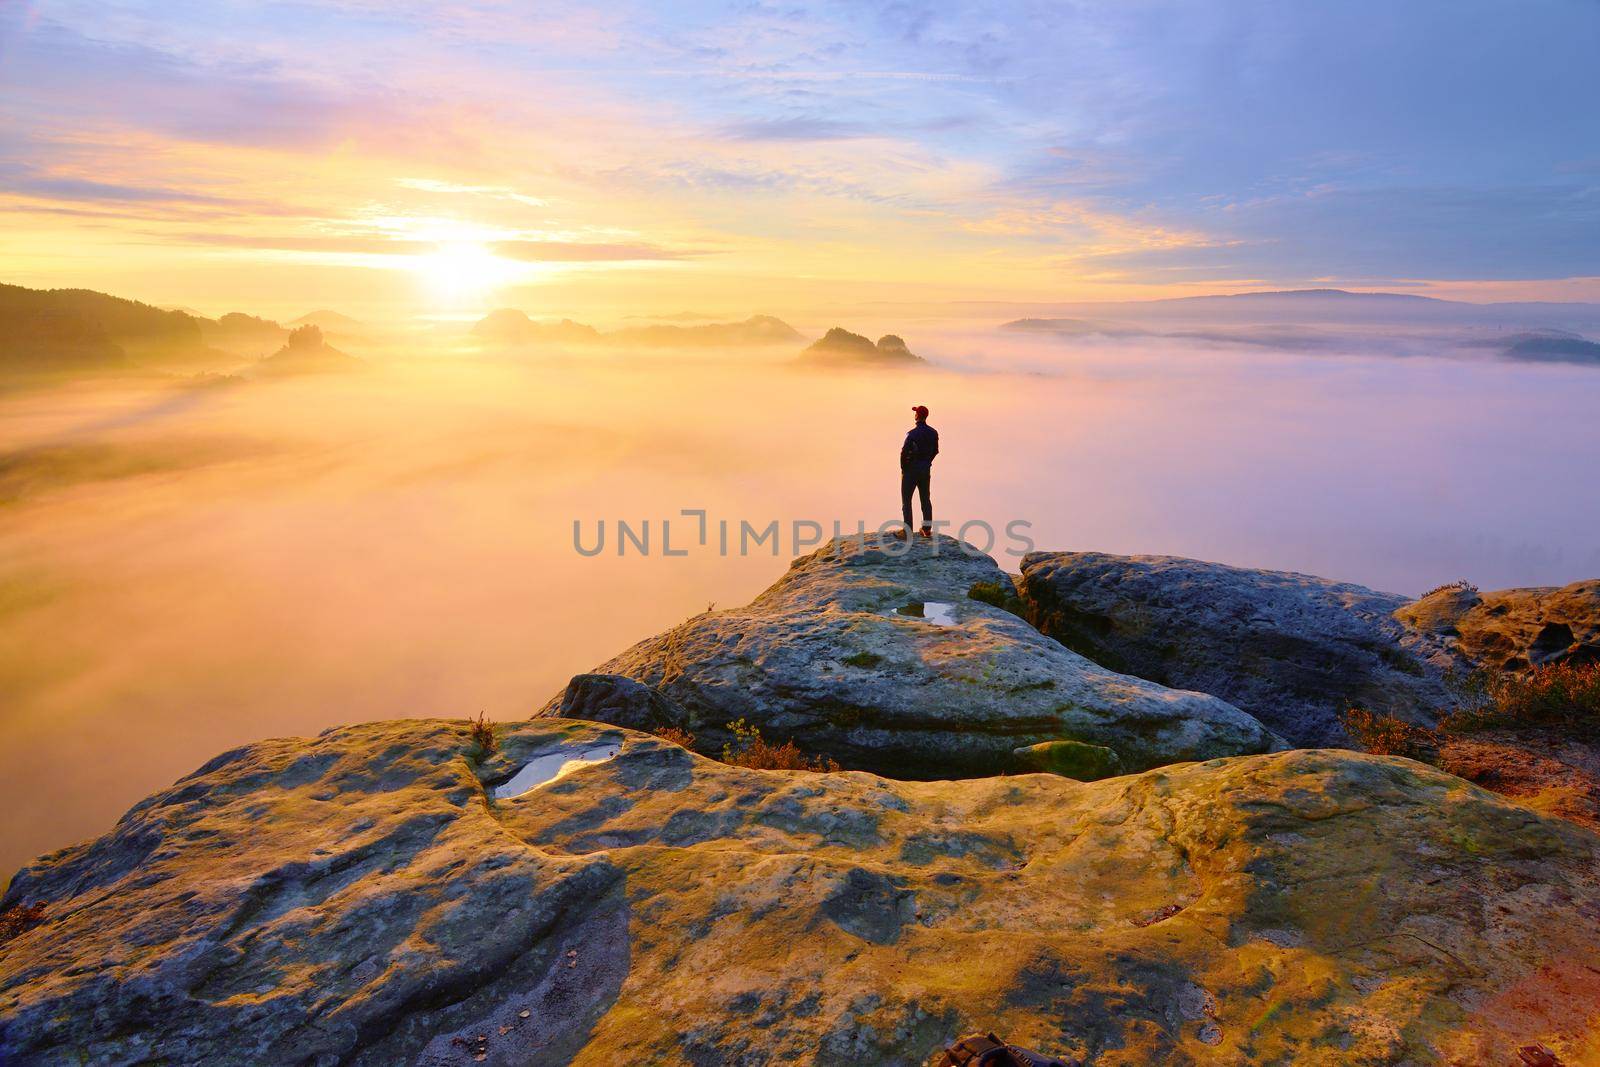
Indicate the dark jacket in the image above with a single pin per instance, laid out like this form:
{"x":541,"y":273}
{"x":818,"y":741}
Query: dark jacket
{"x":922,"y":444}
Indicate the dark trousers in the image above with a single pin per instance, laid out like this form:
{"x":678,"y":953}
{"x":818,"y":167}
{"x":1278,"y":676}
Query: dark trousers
{"x":912,"y":480}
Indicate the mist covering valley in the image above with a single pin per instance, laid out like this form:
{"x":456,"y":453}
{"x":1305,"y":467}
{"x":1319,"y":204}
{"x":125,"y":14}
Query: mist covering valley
{"x":198,"y":557}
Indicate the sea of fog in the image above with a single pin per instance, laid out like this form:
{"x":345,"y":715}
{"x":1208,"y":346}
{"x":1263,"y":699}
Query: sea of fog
{"x":184,"y":569}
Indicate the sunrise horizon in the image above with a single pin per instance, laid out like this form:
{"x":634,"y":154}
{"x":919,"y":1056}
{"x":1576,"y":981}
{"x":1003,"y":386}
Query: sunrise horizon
{"x":634,"y":162}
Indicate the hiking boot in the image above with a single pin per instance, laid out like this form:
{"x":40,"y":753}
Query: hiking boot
{"x":899,"y":535}
{"x":927,"y":532}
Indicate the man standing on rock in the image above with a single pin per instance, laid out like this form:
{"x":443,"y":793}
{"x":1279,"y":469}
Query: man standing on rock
{"x":916,"y":466}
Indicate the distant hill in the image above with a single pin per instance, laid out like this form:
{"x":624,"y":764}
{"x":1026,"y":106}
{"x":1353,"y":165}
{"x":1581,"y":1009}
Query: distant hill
{"x":1551,"y":346}
{"x":305,"y":352}
{"x":1303,"y":306}
{"x":678,"y":316}
{"x":43,"y":339}
{"x":1282,"y":335}
{"x":756,"y":330}
{"x":331,"y":321}
{"x":79,"y":330}
{"x":243,"y":334}
{"x":840,"y":347}
{"x":510,"y":326}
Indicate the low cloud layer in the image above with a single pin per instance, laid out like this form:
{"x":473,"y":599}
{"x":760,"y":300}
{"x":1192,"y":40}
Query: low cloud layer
{"x":188,"y":569}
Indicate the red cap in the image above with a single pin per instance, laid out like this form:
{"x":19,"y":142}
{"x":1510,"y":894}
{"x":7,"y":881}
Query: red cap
{"x":920,"y":411}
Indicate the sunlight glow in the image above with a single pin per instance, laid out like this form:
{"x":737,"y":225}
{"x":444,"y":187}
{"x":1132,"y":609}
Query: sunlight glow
{"x":461,"y":273}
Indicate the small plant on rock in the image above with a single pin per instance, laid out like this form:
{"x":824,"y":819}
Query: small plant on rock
{"x":1386,"y":735}
{"x":481,"y":733}
{"x":1460,"y":585}
{"x":678,"y":736}
{"x":19,"y":920}
{"x":997,"y":594}
{"x":749,"y":749}
{"x":1564,"y":697}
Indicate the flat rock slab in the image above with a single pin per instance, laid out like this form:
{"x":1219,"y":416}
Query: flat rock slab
{"x":360,"y":898}
{"x":871,"y":651}
{"x":1293,"y":650}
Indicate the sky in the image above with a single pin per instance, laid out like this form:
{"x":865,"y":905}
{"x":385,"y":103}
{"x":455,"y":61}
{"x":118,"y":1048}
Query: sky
{"x":393,"y":157}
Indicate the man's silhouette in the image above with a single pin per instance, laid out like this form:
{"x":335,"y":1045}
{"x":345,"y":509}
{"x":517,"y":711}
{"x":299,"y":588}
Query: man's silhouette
{"x":916,"y":465}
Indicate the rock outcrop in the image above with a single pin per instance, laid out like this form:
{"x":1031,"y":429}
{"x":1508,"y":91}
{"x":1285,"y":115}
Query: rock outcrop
{"x":1512,"y":629}
{"x":871,"y":651}
{"x":1293,"y":650}
{"x":840,"y":347}
{"x":364,"y":897}
{"x":305,"y":352}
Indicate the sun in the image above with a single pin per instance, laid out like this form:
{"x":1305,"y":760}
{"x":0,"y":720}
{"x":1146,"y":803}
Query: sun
{"x":463,"y":273}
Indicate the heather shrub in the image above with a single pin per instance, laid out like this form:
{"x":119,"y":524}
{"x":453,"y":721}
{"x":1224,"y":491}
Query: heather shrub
{"x":20,"y":919}
{"x":749,"y":749}
{"x":1560,"y":696}
{"x":481,"y":733}
{"x":1386,"y":735}
{"x":679,"y":737}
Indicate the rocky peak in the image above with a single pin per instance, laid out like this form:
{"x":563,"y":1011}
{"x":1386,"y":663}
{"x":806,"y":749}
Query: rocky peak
{"x":840,"y":346}
{"x":874,"y":652}
{"x":304,"y":339}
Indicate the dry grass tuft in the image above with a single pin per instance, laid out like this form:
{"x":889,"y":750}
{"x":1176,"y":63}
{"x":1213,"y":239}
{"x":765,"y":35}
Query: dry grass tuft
{"x":750,"y":749}
{"x":1460,"y":584}
{"x":1564,"y":697}
{"x":1385,"y":735}
{"x":1561,"y":697}
{"x":19,"y":920}
{"x":482,"y":735}
{"x":681,"y":738}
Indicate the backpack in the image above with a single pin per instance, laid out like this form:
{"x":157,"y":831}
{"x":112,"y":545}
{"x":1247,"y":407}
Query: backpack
{"x":987,"y":1050}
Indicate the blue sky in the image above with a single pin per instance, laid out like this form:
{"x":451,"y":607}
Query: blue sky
{"x":1047,"y":147}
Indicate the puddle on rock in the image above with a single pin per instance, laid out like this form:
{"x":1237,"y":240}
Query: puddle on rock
{"x":934,"y":611}
{"x":557,"y":763}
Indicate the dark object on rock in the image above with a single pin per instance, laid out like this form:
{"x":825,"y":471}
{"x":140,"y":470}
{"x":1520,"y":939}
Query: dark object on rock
{"x":1293,"y":650}
{"x":1071,"y":759}
{"x":987,"y":1050}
